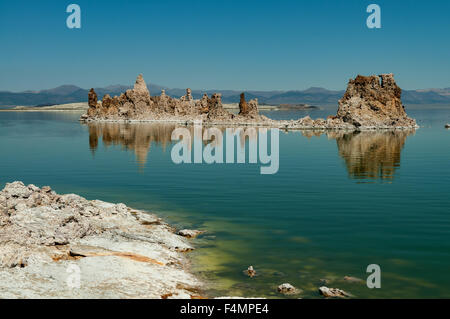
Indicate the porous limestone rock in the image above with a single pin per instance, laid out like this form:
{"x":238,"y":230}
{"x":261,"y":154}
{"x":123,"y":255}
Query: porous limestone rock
{"x":370,"y":102}
{"x":249,"y":109}
{"x":188,"y":96}
{"x":133,"y":103}
{"x":92,"y":98}
{"x":216,"y":110}
{"x":202,"y":104}
{"x":92,"y":102}
{"x":140,"y":87}
{"x":243,"y":107}
{"x":373,"y":101}
{"x":120,"y":252}
{"x":333,"y":292}
{"x":186,"y":105}
{"x":288,"y":289}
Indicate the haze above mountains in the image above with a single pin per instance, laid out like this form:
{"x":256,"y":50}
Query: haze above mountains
{"x":312,"y":96}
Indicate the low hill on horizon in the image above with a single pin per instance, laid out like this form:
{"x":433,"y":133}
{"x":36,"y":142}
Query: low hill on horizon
{"x":313,"y":96}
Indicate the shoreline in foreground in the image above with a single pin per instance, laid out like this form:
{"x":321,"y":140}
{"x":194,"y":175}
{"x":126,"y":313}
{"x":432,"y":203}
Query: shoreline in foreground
{"x":64,"y":246}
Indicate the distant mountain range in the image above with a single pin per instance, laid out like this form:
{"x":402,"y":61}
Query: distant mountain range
{"x":312,"y":96}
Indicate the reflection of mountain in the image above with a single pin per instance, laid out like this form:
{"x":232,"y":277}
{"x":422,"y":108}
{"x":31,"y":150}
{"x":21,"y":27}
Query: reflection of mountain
{"x":371,"y":155}
{"x":136,"y":137}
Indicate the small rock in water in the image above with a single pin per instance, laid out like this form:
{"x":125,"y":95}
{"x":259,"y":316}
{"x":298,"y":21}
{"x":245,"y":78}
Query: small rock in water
{"x":190,"y":233}
{"x":278,"y":274}
{"x":352,"y":279}
{"x":324,"y":281}
{"x":250,"y":271}
{"x":288,"y":289}
{"x":333,"y":292}
{"x":447,"y":125}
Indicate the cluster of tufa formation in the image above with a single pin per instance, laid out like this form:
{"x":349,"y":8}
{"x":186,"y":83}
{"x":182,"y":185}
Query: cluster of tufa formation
{"x":374,"y":101}
{"x":119,"y":252}
{"x":371,"y":102}
{"x":137,"y":104}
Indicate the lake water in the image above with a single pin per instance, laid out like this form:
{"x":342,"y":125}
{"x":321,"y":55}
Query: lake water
{"x":338,"y":203}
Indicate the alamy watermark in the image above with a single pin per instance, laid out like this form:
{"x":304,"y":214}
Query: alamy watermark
{"x":73,"y":21}
{"x":374,"y":19}
{"x":374,"y":279}
{"x":216,"y":151}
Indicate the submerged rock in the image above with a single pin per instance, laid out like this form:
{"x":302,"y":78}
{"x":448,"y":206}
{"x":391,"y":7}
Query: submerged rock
{"x":324,"y":281}
{"x":120,"y":252}
{"x":353,"y":279}
{"x":190,"y":233}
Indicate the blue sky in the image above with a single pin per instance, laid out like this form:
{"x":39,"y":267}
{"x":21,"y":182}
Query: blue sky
{"x":247,"y":44}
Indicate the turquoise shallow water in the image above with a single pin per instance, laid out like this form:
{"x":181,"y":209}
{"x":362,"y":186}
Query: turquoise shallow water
{"x":338,"y":203}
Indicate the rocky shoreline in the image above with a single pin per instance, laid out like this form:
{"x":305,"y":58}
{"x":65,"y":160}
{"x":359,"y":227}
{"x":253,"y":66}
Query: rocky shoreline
{"x":370,"y":103}
{"x":64,"y":246}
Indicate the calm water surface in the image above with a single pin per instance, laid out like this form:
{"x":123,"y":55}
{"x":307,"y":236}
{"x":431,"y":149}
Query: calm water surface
{"x":338,"y":203}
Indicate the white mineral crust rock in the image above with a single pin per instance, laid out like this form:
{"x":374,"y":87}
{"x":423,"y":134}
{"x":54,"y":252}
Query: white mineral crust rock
{"x":120,"y":252}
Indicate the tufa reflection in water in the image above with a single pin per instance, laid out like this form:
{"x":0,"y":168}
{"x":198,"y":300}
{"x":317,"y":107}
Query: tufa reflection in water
{"x":139,"y":137}
{"x":368,"y":155}
{"x":371,"y":155}
{"x":135,"y":137}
